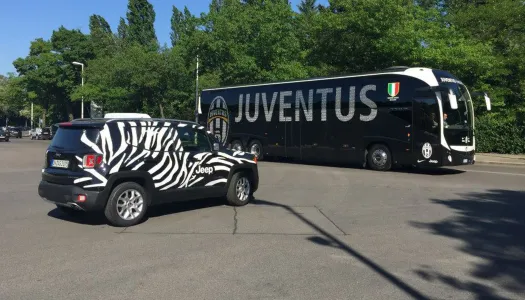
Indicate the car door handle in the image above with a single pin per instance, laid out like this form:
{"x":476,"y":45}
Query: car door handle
{"x":150,"y":160}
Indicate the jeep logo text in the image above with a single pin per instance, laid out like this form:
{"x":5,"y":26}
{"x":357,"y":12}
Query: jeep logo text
{"x":205,"y":170}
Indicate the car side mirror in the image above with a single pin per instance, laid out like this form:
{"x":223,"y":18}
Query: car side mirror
{"x":216,"y":147}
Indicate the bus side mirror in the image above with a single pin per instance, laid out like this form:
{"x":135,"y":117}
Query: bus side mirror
{"x":453,"y":99}
{"x":487,"y":101}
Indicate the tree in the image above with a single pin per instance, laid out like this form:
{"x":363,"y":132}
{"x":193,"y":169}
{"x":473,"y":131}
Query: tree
{"x":101,"y":36}
{"x":308,"y":7}
{"x":70,"y":45}
{"x":499,"y":25}
{"x":41,"y":73}
{"x":140,"y":29}
{"x":139,"y":80}
{"x":122,"y":30}
{"x":249,"y":42}
{"x":182,"y":25}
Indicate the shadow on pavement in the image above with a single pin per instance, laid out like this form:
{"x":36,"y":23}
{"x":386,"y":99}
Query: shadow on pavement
{"x":79,"y":217}
{"x":492,"y":228}
{"x":97,"y":218}
{"x":331,"y":241}
{"x":395,"y":169}
{"x":177,"y":207}
{"x":429,"y":171}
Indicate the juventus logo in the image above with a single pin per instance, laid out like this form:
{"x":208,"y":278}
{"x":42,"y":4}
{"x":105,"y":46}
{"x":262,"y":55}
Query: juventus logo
{"x":219,"y":119}
{"x":426,"y":150}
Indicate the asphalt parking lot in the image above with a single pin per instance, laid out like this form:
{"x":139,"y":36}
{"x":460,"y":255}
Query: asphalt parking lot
{"x":314,"y":232}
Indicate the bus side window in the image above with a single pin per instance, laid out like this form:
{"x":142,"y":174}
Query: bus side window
{"x":405,"y":115}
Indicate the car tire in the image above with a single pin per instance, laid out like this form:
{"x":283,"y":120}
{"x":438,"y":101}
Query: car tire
{"x":237,"y":146}
{"x":256,"y":146}
{"x":239,"y":190}
{"x":379,"y":158}
{"x":125,"y":200}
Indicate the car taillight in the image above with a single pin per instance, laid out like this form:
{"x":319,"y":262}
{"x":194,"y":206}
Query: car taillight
{"x":91,"y":161}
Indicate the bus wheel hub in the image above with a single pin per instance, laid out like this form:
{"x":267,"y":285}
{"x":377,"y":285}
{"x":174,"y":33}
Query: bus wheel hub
{"x":379,"y":156}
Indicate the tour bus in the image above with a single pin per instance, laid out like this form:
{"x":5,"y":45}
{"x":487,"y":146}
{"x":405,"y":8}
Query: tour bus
{"x":398,"y":116}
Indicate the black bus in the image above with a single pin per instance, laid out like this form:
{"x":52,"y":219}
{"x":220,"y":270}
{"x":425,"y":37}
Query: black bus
{"x":403,"y":116}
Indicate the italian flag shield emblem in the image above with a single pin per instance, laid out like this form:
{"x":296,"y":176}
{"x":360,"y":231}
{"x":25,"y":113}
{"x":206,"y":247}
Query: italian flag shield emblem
{"x":393,"y":89}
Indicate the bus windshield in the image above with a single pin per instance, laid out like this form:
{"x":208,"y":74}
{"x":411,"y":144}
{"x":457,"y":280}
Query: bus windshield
{"x":461,"y":118}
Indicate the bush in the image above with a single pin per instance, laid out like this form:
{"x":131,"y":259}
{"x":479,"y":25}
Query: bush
{"x":500,"y":133}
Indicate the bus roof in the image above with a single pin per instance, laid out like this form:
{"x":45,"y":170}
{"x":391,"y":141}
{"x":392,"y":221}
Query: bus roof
{"x":422,"y":73}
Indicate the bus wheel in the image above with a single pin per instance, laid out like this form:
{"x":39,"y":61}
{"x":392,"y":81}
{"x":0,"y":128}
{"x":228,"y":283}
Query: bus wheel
{"x":379,"y":158}
{"x":237,"y":145}
{"x":256,"y":148}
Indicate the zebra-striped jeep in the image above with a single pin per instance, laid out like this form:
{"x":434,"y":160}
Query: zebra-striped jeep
{"x":123,"y":166}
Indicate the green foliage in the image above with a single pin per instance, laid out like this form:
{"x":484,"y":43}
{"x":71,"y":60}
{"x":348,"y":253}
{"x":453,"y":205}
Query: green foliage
{"x":139,"y":80}
{"x":500,"y":133}
{"x":101,"y":36}
{"x":141,"y":18}
{"x":498,"y":24}
{"x":183,"y":25}
{"x":122,"y":30}
{"x":252,"y":41}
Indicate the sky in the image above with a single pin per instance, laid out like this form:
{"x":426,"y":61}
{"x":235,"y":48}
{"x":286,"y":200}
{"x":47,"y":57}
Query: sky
{"x":22,"y":21}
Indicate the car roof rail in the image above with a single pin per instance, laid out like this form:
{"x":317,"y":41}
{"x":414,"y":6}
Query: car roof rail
{"x":126,"y":116}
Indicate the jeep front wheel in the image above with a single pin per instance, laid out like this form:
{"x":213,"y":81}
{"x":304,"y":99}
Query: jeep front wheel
{"x":240,"y":190}
{"x":126,"y":205}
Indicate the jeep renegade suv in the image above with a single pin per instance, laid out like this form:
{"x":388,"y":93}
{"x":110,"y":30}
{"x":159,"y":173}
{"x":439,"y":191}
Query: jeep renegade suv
{"x":122,"y":166}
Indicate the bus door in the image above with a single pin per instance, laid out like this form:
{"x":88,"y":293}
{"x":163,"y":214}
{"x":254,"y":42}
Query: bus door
{"x":293,"y":138}
{"x":426,"y":129}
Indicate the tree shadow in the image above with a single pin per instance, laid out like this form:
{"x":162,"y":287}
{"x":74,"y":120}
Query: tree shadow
{"x":492,"y":228}
{"x":326,"y":239}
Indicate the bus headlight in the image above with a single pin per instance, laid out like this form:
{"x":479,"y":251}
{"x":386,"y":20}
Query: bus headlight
{"x":450,"y":158}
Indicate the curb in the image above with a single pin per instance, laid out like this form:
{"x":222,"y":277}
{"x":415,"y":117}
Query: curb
{"x":492,"y":162}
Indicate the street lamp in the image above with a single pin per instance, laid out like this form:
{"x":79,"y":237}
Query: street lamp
{"x":82,"y":65}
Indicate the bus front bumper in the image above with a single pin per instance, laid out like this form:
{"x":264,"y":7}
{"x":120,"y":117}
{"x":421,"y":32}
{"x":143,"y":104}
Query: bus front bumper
{"x":457,"y":158}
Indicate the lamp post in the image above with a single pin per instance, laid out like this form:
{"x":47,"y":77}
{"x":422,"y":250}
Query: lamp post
{"x":197,"y":91}
{"x":82,"y":65}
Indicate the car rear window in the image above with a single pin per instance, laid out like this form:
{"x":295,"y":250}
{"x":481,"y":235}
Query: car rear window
{"x":70,"y":138}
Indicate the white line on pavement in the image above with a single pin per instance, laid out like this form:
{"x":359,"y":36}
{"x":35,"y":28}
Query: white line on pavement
{"x":492,"y":172}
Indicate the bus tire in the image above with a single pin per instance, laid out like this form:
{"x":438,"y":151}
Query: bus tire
{"x":237,"y":145}
{"x":256,"y":146}
{"x":379,"y":158}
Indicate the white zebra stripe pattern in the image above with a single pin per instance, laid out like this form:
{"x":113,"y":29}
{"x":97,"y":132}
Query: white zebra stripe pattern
{"x":126,"y":144}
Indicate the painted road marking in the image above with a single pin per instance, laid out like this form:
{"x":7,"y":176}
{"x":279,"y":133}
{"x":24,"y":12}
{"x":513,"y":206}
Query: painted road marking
{"x":499,"y":173}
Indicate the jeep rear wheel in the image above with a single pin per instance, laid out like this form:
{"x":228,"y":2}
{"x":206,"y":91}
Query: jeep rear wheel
{"x":126,"y":205}
{"x":240,"y":190}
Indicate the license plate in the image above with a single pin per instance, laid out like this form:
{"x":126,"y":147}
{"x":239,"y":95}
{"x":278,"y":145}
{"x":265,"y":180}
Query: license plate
{"x":57,"y":163}
{"x":465,"y":161}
